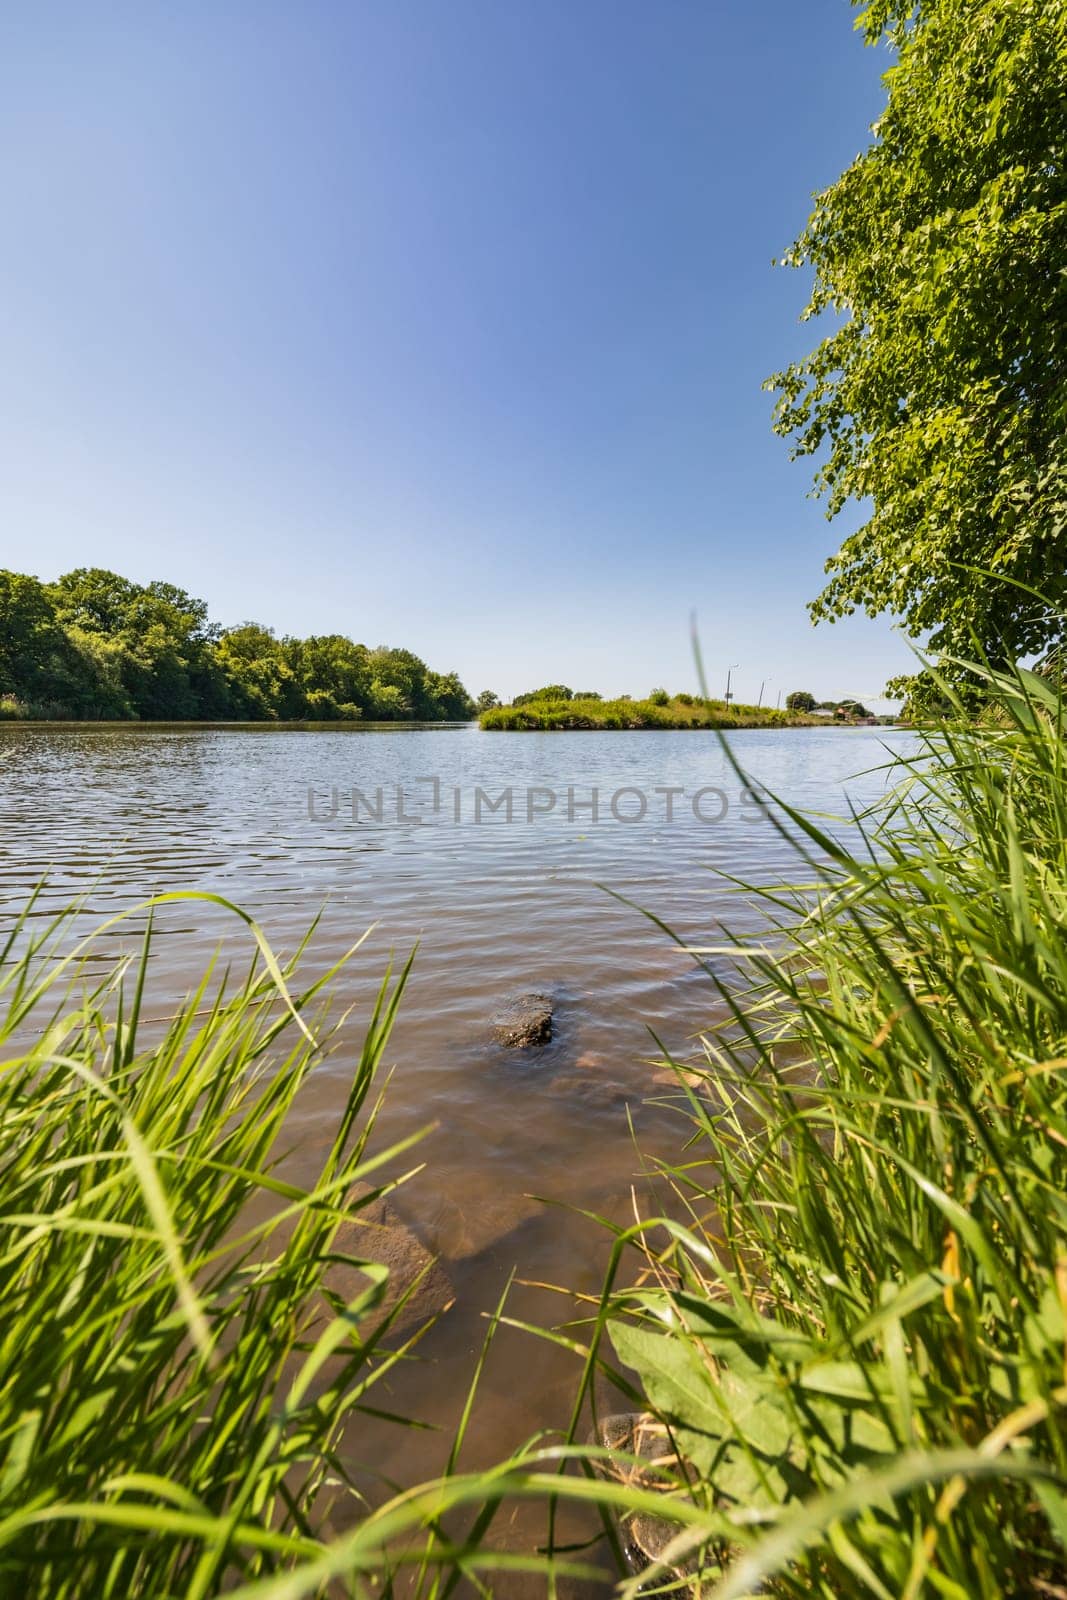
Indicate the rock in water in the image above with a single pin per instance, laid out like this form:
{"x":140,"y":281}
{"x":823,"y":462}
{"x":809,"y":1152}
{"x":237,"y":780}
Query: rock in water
{"x":644,"y":1537}
{"x":458,"y":1227}
{"x":376,"y":1233}
{"x":523,"y":1021}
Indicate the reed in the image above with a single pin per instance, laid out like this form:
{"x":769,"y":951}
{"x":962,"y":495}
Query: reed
{"x":175,"y":1377}
{"x":850,"y":1322}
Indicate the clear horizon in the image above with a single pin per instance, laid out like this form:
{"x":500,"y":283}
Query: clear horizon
{"x":438,"y":328}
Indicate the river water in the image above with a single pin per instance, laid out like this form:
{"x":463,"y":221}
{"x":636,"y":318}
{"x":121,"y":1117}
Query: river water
{"x":497,"y":906}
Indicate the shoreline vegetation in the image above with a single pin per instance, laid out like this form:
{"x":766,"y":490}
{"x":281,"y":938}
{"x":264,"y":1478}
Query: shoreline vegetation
{"x":557,"y":708}
{"x":183,"y":1365}
{"x":230,"y":724}
{"x":855,"y":1349}
{"x":849,"y":1359}
{"x":96,"y":647}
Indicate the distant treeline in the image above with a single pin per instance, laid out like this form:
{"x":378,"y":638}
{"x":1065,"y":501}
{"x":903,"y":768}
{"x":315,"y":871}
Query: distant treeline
{"x":96,"y":646}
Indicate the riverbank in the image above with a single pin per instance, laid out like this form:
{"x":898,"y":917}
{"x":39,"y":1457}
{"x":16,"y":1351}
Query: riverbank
{"x":263,"y":725}
{"x":683,"y":711}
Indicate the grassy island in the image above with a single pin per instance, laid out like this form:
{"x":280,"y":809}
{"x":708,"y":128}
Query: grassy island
{"x":544,"y":710}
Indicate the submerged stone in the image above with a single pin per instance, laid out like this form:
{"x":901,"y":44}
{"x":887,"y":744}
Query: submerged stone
{"x":375,"y":1233}
{"x":484,"y":1218}
{"x":644,"y":1537}
{"x":523,"y":1021}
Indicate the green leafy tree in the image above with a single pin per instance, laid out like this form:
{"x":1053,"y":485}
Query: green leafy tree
{"x":331,"y":675}
{"x":48,"y":667}
{"x":551,"y":691}
{"x":939,"y":400}
{"x":487,"y":701}
{"x":402,"y":672}
{"x":33,"y":647}
{"x":447,"y":699}
{"x":800,"y":700}
{"x":96,"y":600}
{"x":96,"y":687}
{"x":388,"y":702}
{"x":258,"y":675}
{"x":171,"y":640}
{"x":97,"y":645}
{"x":157,"y":638}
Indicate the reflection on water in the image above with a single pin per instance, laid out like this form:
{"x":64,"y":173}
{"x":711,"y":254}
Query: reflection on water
{"x":495,"y":907}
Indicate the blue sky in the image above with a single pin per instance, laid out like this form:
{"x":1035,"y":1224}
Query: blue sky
{"x":436,"y":322}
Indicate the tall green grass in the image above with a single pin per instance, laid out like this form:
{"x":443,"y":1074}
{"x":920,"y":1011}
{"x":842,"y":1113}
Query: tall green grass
{"x":182,"y":1384}
{"x":683,"y":711}
{"x":852,"y":1323}
{"x":14,"y":709}
{"x":175,"y":1375}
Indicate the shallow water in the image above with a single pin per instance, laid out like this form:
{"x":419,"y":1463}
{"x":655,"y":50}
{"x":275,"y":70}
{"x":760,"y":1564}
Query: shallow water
{"x":496,"y":907}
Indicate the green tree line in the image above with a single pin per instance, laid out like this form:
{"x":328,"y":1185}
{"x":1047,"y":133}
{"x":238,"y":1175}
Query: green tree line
{"x":936,"y":397}
{"x":97,"y":646}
